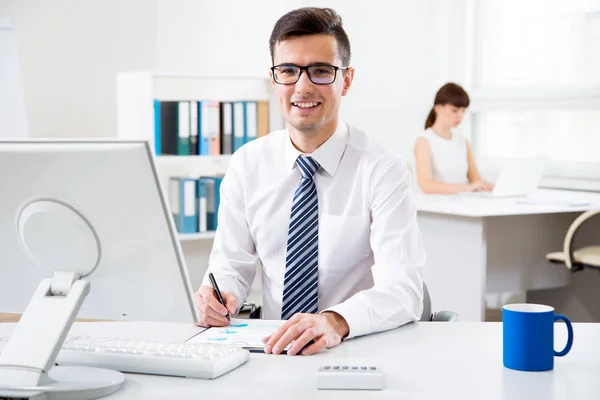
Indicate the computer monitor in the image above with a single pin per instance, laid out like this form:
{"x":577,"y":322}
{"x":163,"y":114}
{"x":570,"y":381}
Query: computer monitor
{"x":76,"y":204}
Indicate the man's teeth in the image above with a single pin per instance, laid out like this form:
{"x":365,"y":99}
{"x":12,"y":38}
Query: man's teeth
{"x":305,"y":105}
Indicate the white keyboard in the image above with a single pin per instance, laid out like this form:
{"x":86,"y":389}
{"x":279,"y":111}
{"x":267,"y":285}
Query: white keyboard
{"x":205,"y":361}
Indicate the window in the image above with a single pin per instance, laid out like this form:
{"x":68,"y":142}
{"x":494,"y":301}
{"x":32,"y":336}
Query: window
{"x":536,"y":83}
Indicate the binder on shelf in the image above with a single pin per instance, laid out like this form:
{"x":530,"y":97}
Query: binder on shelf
{"x":239,"y":124}
{"x":136,"y":90}
{"x":204,"y":126}
{"x":157,"y":149}
{"x":207,"y":127}
{"x":169,"y":127}
{"x":184,"y":207}
{"x":202,"y":209}
{"x":251,"y":114}
{"x":214,"y":126}
{"x":212,"y":186}
{"x":193,"y":128}
{"x":183,"y":128}
{"x":226,"y":128}
{"x":263,"y":118}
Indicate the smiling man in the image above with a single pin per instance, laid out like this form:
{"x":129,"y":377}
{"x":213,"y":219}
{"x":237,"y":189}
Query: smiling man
{"x":330,"y":215}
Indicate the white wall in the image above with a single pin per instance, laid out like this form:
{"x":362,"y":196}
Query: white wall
{"x":13,"y":121}
{"x":70,"y":52}
{"x":396,"y":48}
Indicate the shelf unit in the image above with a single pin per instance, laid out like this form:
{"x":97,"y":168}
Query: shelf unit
{"x":137,"y":90}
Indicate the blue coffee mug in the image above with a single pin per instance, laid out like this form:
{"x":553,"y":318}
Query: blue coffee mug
{"x":528,"y":337}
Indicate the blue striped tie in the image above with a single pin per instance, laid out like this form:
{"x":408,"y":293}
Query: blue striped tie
{"x":300,"y":284}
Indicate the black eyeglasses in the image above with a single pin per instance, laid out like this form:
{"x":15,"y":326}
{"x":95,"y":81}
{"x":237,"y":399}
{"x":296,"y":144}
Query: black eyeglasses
{"x":320,"y":74}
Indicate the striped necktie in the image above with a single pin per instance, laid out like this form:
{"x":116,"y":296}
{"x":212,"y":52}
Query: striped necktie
{"x":300,"y":283}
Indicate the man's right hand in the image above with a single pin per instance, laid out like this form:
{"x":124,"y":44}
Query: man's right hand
{"x":212,"y":313}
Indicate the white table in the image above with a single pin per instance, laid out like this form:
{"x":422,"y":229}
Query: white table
{"x":420,"y":361}
{"x":480,"y":245}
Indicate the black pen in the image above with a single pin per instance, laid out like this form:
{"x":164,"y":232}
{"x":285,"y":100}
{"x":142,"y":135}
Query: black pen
{"x":213,"y":282}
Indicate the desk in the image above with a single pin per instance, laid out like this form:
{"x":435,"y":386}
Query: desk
{"x":480,"y":245}
{"x":420,"y":361}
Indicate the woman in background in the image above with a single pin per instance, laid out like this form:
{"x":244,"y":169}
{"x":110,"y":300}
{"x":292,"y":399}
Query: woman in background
{"x":444,"y":159}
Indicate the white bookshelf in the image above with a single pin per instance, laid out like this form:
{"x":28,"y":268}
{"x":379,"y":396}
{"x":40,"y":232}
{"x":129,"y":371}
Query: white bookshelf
{"x":137,"y":90}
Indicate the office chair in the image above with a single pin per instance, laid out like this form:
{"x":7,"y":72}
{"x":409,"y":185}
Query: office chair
{"x":440,"y":316}
{"x":586,"y":257}
{"x":426,"y":315}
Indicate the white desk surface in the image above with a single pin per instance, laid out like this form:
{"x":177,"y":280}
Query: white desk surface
{"x":550,"y":201}
{"x":430,"y":360}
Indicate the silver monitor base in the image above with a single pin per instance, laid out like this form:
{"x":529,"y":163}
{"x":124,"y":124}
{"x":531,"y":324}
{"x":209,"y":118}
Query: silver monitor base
{"x":71,"y":383}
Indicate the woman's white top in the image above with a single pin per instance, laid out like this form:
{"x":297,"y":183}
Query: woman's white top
{"x":448,"y":157}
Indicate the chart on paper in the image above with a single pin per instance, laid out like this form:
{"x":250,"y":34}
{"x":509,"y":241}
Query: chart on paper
{"x":244,"y":332}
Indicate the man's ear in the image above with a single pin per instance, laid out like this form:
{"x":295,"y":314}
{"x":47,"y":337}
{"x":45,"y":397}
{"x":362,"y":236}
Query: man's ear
{"x":348,"y":78}
{"x":272,"y":80}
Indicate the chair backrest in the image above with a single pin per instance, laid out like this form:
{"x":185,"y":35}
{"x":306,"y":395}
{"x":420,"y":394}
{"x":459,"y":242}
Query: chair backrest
{"x":440,"y":316}
{"x":426,"y":314}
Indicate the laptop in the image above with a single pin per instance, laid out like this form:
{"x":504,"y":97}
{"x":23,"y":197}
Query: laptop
{"x":519,"y":178}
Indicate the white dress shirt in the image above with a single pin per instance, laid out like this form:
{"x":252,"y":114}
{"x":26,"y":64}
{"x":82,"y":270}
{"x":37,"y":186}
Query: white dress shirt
{"x":370,"y":251}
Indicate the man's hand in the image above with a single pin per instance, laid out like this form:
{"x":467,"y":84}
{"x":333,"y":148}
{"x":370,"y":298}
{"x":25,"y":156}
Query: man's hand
{"x":326,"y":329}
{"x":212,"y":313}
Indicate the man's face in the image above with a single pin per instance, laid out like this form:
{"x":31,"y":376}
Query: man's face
{"x":308,"y":107}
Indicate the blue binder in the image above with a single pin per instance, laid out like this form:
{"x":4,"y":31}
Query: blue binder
{"x":251,"y":121}
{"x":184,"y":204}
{"x":212,"y":185}
{"x":157,"y":142}
{"x":239,"y":124}
{"x":203,"y":128}
{"x":202,"y":208}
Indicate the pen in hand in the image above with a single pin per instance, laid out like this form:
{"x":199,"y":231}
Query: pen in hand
{"x":213,"y":283}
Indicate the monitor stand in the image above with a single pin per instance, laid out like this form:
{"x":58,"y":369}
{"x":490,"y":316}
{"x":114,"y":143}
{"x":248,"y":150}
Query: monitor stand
{"x":27,"y":362}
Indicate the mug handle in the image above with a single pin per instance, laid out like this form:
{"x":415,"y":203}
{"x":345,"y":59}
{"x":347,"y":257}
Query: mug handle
{"x":570,"y":338}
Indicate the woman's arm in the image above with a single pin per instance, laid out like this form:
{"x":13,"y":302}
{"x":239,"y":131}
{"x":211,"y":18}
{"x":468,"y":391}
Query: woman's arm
{"x":425,"y":173}
{"x":473,"y":173}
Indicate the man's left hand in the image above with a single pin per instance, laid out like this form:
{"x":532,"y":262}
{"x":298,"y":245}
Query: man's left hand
{"x":326,"y":330}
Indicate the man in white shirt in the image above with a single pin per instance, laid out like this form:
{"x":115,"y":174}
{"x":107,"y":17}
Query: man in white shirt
{"x":330,"y":215}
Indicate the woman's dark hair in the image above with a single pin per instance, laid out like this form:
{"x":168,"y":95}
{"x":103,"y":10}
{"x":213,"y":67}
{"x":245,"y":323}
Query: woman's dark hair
{"x":312,"y":21}
{"x":450,"y":93}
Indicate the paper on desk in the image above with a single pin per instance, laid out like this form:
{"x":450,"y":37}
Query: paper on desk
{"x":246,"y":332}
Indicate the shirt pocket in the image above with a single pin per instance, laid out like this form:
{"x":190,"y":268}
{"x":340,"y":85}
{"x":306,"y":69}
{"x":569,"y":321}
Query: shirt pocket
{"x":344,"y":241}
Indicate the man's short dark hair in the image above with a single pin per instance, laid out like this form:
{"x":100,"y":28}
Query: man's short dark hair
{"x":312,"y":21}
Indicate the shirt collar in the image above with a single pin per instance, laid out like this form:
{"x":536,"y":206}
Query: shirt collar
{"x":328,"y":155}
